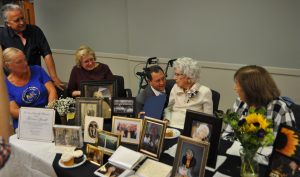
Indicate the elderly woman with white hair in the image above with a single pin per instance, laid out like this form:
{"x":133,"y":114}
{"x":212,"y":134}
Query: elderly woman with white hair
{"x":201,"y":133}
{"x":187,"y":93}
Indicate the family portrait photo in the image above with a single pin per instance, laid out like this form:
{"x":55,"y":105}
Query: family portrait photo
{"x":128,"y":128}
{"x":123,"y":106}
{"x":152,"y":137}
{"x":68,"y":136}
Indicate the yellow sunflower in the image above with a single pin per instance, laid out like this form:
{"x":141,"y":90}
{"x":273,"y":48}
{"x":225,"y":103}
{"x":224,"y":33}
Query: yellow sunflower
{"x":257,"y":119}
{"x":292,"y":141}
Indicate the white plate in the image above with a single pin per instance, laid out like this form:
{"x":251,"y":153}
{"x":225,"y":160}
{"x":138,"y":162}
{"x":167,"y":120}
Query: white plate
{"x":73,"y":166}
{"x":176,"y":133}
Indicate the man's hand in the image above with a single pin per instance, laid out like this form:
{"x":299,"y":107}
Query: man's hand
{"x":58,"y":83}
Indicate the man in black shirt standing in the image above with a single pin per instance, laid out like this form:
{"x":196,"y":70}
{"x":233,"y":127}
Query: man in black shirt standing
{"x":28,"y":38}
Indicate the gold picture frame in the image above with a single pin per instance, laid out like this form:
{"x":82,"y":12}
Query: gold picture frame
{"x":152,"y":138}
{"x":108,"y":141}
{"x":129,"y":129}
{"x":191,"y":157}
{"x":94,"y":154}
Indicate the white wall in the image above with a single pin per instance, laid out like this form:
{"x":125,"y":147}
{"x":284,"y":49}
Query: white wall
{"x":222,"y":34}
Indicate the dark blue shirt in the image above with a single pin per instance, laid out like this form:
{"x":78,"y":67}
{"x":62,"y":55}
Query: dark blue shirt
{"x":36,"y":43}
{"x":32,"y":94}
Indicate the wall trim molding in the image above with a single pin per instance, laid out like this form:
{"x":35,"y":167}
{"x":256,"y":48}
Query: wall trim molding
{"x":205,"y":64}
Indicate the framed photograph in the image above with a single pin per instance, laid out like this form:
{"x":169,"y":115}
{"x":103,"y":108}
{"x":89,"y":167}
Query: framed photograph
{"x":123,"y":106}
{"x":104,"y":90}
{"x":87,"y":107}
{"x":204,"y":127}
{"x":285,"y":157}
{"x":129,"y":129}
{"x":68,"y":136}
{"x":152,"y":138}
{"x":190,"y":158}
{"x":94,"y":154}
{"x":110,"y":170}
{"x":92,"y":125}
{"x":108,"y":141}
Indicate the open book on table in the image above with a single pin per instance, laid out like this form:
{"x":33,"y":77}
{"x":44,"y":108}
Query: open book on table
{"x":151,"y":168}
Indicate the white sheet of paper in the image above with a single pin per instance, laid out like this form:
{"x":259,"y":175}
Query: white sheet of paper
{"x":172,"y":150}
{"x":36,"y":124}
{"x":218,"y":174}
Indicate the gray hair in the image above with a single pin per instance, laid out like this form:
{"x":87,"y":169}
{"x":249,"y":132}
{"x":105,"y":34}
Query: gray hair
{"x":189,"y":68}
{"x":9,"y":7}
{"x":190,"y":152}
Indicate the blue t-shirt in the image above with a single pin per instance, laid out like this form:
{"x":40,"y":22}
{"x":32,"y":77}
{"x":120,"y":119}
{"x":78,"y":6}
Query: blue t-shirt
{"x":32,"y":94}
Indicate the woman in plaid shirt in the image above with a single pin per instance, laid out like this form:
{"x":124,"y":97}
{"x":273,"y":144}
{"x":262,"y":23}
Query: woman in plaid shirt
{"x":5,"y":127}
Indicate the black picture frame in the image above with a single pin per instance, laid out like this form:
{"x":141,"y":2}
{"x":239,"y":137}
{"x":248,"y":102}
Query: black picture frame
{"x":87,"y":107}
{"x":195,"y":122}
{"x":106,"y":90}
{"x":123,"y":106}
{"x":197,"y":150}
{"x":285,"y":157}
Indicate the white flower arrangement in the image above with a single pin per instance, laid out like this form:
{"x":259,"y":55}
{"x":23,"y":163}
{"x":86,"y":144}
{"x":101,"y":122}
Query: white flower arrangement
{"x":62,"y":105}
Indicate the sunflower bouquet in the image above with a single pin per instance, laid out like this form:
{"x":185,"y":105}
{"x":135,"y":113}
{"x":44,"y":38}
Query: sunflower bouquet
{"x":252,"y":131}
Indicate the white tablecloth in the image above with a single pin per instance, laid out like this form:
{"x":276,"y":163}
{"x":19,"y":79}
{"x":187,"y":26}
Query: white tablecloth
{"x":29,"y":159}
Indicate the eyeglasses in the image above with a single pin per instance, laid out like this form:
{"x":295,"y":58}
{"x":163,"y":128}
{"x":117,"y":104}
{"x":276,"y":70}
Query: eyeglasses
{"x":177,"y":74}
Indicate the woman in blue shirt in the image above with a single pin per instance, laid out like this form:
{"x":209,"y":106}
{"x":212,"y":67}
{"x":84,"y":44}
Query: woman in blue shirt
{"x":28,"y":86}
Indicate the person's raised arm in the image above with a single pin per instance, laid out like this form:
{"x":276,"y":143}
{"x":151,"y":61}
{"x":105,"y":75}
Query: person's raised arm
{"x":5,"y":127}
{"x":52,"y":71}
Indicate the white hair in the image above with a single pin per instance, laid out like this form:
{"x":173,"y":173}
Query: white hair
{"x":189,"y":67}
{"x":203,"y":127}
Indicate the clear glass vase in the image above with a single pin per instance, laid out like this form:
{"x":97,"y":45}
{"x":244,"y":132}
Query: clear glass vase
{"x":249,"y":164}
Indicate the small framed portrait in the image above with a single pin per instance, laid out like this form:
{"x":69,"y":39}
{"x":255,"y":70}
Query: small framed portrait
{"x":108,"y":141}
{"x":204,"y":127}
{"x":87,"y":107}
{"x":104,"y":90}
{"x":94,"y":154}
{"x":285,"y":157}
{"x":123,"y":106}
{"x":129,"y":129}
{"x":152,"y":137}
{"x":92,"y":125}
{"x":68,"y":136}
{"x":190,"y":158}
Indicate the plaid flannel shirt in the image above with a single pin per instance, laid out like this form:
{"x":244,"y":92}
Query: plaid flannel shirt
{"x":4,"y":152}
{"x":277,"y":110}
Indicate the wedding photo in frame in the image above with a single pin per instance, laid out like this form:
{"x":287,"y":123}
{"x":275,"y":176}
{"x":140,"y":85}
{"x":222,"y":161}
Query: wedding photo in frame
{"x":87,"y":107}
{"x":104,"y":90}
{"x":108,"y":141}
{"x":152,"y":138}
{"x":94,"y":154}
{"x":285,"y":157}
{"x":129,"y":129}
{"x":123,"y":106}
{"x":190,"y":158}
{"x":204,"y":127}
{"x":70,"y":136}
{"x":92,"y":125}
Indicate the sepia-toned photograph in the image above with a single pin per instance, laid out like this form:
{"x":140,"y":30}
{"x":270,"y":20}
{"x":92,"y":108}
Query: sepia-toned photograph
{"x":108,"y":141}
{"x":104,"y":90}
{"x":129,"y":129}
{"x":87,"y":107}
{"x":94,"y":154}
{"x":109,"y":170}
{"x":152,"y":137}
{"x":123,"y":106}
{"x":68,"y":136}
{"x":92,"y":125}
{"x":190,"y":158}
{"x":204,"y":127}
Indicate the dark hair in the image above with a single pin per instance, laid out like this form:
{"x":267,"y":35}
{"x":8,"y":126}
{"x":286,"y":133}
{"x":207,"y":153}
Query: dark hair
{"x":257,"y":84}
{"x":151,"y":69}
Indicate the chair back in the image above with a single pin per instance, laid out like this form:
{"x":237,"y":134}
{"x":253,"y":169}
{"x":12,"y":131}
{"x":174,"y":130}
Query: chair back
{"x":121,"y":91}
